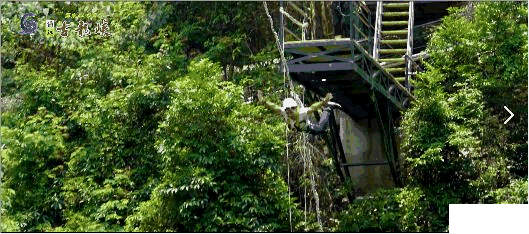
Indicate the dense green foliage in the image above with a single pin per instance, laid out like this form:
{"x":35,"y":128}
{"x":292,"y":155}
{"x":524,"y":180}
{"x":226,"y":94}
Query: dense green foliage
{"x":112,"y":129}
{"x":153,"y":128}
{"x":455,"y":147}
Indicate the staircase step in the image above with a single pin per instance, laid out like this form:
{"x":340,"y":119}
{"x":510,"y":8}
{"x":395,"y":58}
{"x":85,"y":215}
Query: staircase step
{"x":392,"y":51}
{"x":392,"y":60}
{"x":395,"y":32}
{"x":395,"y":69}
{"x":404,"y":13}
{"x":396,"y":5}
{"x":391,"y":65}
{"x":394,"y":42}
{"x":400,"y":79}
{"x":394,"y":23}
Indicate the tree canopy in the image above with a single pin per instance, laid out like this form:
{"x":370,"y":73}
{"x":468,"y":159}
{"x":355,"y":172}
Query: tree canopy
{"x":154,"y":129}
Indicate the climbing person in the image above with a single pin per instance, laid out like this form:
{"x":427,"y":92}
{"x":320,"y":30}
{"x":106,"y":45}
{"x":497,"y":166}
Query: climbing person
{"x":297,"y":118}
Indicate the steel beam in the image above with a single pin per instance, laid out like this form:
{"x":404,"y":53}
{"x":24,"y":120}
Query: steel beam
{"x":320,"y":67}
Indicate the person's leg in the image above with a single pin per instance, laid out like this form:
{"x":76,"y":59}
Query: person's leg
{"x":320,"y":127}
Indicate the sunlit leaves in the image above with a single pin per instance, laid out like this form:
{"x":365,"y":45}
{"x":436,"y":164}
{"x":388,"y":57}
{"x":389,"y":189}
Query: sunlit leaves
{"x":215,"y":161}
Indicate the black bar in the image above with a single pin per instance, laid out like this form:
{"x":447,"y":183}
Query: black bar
{"x":338,"y":141}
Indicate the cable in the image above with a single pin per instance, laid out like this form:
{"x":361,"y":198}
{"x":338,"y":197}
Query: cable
{"x":283,"y":60}
{"x":286,"y":73}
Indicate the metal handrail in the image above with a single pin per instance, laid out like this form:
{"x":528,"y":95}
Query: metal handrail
{"x":407,"y":57}
{"x":302,"y":25}
{"x":292,"y":33}
{"x":391,"y":77}
{"x":409,"y":60}
{"x":298,"y":9}
{"x":409,"y":44}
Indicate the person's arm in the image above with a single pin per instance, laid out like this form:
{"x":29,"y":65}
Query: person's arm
{"x":318,"y":105}
{"x":267,"y":104}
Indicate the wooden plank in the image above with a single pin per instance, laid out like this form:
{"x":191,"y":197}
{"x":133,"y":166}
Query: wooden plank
{"x":392,"y":60}
{"x":395,"y":32}
{"x":397,"y":69}
{"x":392,"y":51}
{"x":400,"y":79}
{"x":388,"y":65}
{"x":396,"y":5}
{"x":394,"y":42}
{"x":394,"y":23}
{"x":395,"y":14}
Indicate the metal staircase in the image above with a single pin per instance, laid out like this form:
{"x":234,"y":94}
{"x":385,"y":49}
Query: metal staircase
{"x":344,"y":66}
{"x":394,"y":39}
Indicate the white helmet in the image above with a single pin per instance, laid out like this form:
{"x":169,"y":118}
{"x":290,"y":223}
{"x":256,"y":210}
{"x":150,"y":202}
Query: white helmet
{"x":289,"y":102}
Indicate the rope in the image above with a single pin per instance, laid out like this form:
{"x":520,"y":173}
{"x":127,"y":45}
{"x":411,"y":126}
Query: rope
{"x":283,"y":61}
{"x":304,"y":173}
{"x":311,"y":173}
{"x":300,"y":103}
{"x":304,"y":167}
{"x":313,"y":184}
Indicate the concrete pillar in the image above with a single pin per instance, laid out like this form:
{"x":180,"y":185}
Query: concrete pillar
{"x":362,"y":143}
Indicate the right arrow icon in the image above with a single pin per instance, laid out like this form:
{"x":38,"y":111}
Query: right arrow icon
{"x":509,"y":113}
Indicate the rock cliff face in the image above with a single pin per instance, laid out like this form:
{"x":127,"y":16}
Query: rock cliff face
{"x":362,"y":143}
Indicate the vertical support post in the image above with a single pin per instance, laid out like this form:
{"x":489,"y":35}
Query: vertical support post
{"x":409,"y":46}
{"x":369,"y":31}
{"x":391,"y":154}
{"x":357,"y":24}
{"x":353,"y":21}
{"x":406,"y":71}
{"x":378,"y":26}
{"x":351,"y":36}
